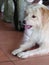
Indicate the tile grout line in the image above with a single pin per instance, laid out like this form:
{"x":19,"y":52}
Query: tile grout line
{"x":8,"y":61}
{"x":8,"y":58}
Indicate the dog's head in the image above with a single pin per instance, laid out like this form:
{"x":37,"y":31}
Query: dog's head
{"x":36,"y":16}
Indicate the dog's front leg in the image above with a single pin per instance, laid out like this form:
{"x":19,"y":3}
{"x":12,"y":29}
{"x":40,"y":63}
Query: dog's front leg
{"x":23,"y":47}
{"x":38,"y":51}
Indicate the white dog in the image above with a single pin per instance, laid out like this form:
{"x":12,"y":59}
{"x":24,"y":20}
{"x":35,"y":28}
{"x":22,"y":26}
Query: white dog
{"x":37,"y":21}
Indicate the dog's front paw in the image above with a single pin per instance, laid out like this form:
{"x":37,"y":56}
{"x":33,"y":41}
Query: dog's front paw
{"x":23,"y":55}
{"x":16,"y":51}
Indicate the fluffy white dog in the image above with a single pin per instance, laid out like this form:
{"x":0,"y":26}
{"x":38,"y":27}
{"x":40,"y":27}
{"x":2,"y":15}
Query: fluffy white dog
{"x":37,"y":21}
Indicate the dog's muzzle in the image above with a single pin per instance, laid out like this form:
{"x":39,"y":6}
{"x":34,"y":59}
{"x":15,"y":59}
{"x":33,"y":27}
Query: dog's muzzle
{"x":26,"y":26}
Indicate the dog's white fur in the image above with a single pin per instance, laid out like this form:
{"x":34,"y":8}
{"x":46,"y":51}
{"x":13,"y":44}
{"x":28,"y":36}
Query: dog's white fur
{"x":39,"y":32}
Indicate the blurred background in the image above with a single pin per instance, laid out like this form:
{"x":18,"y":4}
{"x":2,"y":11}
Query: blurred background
{"x":12,"y":11}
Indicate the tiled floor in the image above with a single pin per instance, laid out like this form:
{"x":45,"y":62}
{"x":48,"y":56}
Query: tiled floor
{"x":9,"y":40}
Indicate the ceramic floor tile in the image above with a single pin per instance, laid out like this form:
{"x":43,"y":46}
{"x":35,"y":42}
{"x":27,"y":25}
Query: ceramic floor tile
{"x":43,"y":60}
{"x":10,"y":41}
{"x":7,"y":63}
{"x":3,"y":57}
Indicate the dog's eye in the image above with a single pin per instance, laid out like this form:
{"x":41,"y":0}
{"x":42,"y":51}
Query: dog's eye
{"x":33,"y":16}
{"x":26,"y":14}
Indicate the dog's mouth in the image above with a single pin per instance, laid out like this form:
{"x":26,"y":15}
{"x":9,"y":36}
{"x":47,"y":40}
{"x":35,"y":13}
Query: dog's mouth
{"x":28,"y":26}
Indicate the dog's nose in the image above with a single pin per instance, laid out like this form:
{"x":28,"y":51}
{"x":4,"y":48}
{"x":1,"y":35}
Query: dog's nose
{"x":24,"y":22}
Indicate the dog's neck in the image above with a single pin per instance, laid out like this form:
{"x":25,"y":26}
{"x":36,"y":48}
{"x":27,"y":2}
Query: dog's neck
{"x":28,"y":33}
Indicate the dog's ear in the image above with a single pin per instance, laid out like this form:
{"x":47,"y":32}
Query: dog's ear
{"x":30,"y":1}
{"x":37,"y":1}
{"x":40,"y":2}
{"x":45,"y":15}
